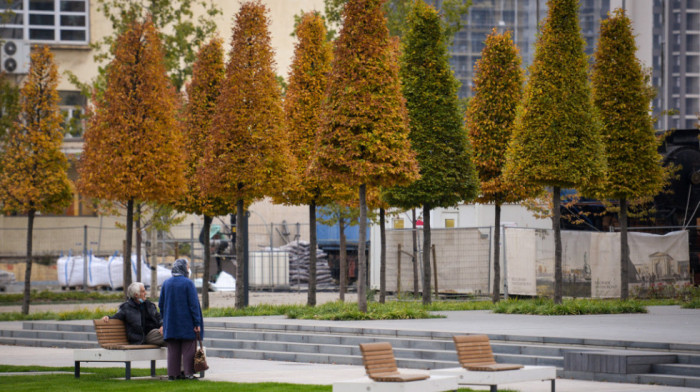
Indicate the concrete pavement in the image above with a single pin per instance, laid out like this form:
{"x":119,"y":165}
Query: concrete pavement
{"x":661,"y":324}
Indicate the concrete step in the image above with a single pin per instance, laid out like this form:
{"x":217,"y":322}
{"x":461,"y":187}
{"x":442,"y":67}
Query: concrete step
{"x":31,"y":342}
{"x":676,"y":369}
{"x":670,"y":380}
{"x":48,"y":335}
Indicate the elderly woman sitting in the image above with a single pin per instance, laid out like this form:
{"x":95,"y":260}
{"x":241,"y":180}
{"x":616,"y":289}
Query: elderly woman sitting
{"x":144,"y":325}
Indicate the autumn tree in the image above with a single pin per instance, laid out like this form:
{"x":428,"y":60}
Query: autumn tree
{"x":247,"y":154}
{"x":622,"y":95}
{"x":437,"y":135}
{"x":556,"y":140}
{"x":302,"y":107}
{"x":498,"y":85}
{"x":34,"y":176}
{"x":133,"y":146}
{"x":202,"y":93}
{"x":364,"y":139}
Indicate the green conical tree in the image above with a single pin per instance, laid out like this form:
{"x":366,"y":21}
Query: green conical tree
{"x":364,"y":138}
{"x":498,"y":89}
{"x":622,"y":95}
{"x":437,"y":134}
{"x":556,"y":141}
{"x":247,"y":153}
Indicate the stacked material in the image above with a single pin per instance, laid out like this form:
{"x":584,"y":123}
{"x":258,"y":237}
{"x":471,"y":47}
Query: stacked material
{"x":102,"y":273}
{"x":299,"y":256}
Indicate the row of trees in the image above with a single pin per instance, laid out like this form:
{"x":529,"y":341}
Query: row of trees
{"x":368,"y":116}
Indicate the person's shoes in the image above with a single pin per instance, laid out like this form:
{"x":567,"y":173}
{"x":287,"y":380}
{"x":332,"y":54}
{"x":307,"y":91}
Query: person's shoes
{"x":171,"y":378}
{"x":191,"y":377}
{"x":181,"y":377}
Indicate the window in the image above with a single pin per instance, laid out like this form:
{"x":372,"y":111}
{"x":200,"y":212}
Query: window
{"x":72,"y":105}
{"x":49,"y":21}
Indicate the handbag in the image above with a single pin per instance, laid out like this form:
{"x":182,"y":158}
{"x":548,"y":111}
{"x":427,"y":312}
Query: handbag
{"x":200,"y":359}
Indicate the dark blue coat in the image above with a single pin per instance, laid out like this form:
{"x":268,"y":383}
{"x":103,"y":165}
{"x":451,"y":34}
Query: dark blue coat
{"x":179,"y":306}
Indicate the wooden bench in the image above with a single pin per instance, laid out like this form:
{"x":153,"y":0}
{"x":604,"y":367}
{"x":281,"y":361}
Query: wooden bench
{"x":480,"y":368}
{"x":384,"y":376}
{"x":111,"y":336}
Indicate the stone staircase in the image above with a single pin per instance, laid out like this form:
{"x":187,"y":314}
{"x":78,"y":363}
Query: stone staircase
{"x":589,"y":359}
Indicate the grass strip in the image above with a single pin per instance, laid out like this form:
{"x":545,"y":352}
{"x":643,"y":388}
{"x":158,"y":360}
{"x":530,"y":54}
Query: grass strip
{"x":547,"y":307}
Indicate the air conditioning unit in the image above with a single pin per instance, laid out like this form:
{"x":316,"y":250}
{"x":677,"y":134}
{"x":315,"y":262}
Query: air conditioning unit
{"x":14,"y":57}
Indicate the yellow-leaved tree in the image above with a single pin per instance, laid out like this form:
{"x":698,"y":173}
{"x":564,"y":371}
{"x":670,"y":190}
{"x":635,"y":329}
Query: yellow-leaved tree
{"x":34,"y":169}
{"x":133,"y":149}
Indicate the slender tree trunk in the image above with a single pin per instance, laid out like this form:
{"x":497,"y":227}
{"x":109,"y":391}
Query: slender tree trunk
{"x":556,"y":218}
{"x":427,"y":299}
{"x":624,"y":251}
{"x":207,"y":261}
{"x":382,"y":256}
{"x":361,"y":257}
{"x":415,"y":255}
{"x":138,"y":242}
{"x":127,"y":250}
{"x":154,"y":263}
{"x":311,"y":300}
{"x":28,"y":267}
{"x":343,"y":260}
{"x":240,"y":289}
{"x":497,"y":254}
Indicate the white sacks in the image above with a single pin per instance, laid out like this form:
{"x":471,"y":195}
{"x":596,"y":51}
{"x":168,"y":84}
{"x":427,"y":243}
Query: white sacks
{"x":115,"y":266}
{"x":71,"y":271}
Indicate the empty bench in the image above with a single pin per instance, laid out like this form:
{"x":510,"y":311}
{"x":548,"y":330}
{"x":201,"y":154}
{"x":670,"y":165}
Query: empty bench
{"x":480,"y":368}
{"x":384,"y":376}
{"x":111,"y":336}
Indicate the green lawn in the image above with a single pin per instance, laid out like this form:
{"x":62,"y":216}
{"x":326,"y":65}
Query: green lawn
{"x":102,"y":379}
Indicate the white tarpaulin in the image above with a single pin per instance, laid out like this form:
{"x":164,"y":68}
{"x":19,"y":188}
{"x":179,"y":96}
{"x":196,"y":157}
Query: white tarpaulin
{"x":116,"y":272}
{"x":591,"y":261}
{"x":70,"y":271}
{"x":520,"y":276}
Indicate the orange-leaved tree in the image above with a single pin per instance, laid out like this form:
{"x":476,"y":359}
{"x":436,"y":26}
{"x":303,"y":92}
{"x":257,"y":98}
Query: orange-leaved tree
{"x":247,"y":153}
{"x":302,"y":107}
{"x":133,"y":146}
{"x":622,"y":95}
{"x":202,"y":92}
{"x":556,"y":140}
{"x":498,"y":85}
{"x":364,"y":138}
{"x":34,"y":176}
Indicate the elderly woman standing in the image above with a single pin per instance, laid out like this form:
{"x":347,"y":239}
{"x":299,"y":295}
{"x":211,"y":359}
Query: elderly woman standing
{"x":143,"y":322}
{"x":182,"y":320}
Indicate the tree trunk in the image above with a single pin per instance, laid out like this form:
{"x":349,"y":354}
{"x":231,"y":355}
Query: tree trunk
{"x":415,"y":255}
{"x":127,"y":249}
{"x":28,"y":268}
{"x":556,"y":218}
{"x":240,"y":289}
{"x":153,"y":263}
{"x":311,"y":300}
{"x":624,"y":251}
{"x":138,"y":243}
{"x":382,"y":256}
{"x":343,"y":260}
{"x":361,"y":257}
{"x":207,"y":261}
{"x":497,"y":254}
{"x":426,"y":255}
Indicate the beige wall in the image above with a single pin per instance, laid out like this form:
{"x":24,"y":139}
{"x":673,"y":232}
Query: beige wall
{"x":80,"y":60}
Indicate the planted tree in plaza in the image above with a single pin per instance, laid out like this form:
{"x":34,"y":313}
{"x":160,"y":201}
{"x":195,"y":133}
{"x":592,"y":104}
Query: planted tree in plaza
{"x":556,"y":140}
{"x":302,"y":107}
{"x":133,"y":147}
{"x":364,"y":138}
{"x":622,"y":95}
{"x":498,"y":84}
{"x":247,"y":154}
{"x":437,"y":135}
{"x":202,"y":94}
{"x":34,"y":175}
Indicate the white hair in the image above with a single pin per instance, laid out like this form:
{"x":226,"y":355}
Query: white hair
{"x":134,"y":289}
